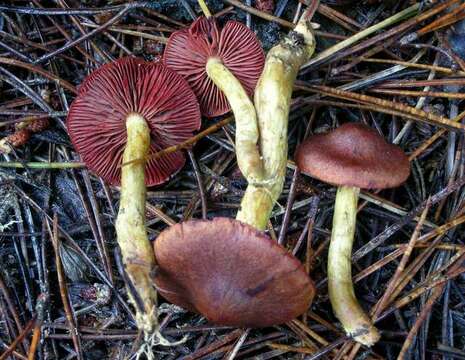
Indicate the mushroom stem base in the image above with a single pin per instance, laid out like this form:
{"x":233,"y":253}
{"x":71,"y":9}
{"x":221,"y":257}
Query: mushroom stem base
{"x":347,"y":309}
{"x":136,"y":250}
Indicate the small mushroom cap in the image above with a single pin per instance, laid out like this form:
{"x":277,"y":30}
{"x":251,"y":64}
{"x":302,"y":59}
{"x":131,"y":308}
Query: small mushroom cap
{"x":230,"y":273}
{"x":353,"y":155}
{"x":188,"y":51}
{"x":97,"y":118}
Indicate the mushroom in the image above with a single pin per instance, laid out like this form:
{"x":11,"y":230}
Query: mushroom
{"x":231,"y":273}
{"x":124,"y":111}
{"x":351,"y":157}
{"x":198,"y":52}
{"x":224,"y":268}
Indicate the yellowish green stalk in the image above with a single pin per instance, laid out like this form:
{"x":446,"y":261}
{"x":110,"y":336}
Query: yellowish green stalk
{"x":136,"y":250}
{"x":248,"y":155}
{"x":204,"y":7}
{"x":272,"y":103}
{"x":347,"y":309}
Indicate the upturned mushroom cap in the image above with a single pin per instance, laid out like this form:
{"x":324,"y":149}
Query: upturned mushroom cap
{"x":97,"y":118}
{"x":230,"y":273}
{"x":89,"y":79}
{"x":353,"y":155}
{"x":188,"y":51}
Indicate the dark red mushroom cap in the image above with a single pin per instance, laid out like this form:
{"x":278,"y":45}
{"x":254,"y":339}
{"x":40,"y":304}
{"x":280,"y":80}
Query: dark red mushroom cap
{"x":353,"y":155}
{"x":97,"y":118}
{"x":231,"y":273}
{"x":188,"y":51}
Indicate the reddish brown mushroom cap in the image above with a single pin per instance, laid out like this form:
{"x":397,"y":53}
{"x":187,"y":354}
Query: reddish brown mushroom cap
{"x":353,"y":155}
{"x":188,"y":51}
{"x":97,"y":118}
{"x":230,"y":273}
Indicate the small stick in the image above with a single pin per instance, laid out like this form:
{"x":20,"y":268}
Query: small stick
{"x":18,"y":339}
{"x":141,"y":34}
{"x":5,"y":293}
{"x":445,"y":20}
{"x":420,"y":83}
{"x":324,"y":55}
{"x":380,"y":306}
{"x":408,"y":110}
{"x":42,"y":165}
{"x":237,"y":346}
{"x":198,"y":177}
{"x":440,"y":69}
{"x":448,"y":95}
{"x":64,"y":290}
{"x":261,"y":14}
{"x":379,"y":239}
{"x":82,"y":11}
{"x":437,"y":292}
{"x":290,"y":202}
{"x":40,"y":309}
{"x":79,"y":40}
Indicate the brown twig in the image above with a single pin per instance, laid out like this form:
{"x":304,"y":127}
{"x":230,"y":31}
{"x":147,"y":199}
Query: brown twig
{"x":64,"y":289}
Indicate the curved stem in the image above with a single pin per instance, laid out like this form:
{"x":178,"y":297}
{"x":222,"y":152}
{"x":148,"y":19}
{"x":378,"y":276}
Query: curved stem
{"x":355,"y":321}
{"x":261,"y":131}
{"x":248,"y":156}
{"x":136,"y":250}
{"x":204,"y":8}
{"x":272,"y":103}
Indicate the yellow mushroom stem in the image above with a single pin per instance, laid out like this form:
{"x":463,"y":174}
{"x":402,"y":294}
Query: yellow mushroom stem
{"x":248,"y":155}
{"x":261,"y":130}
{"x":136,"y":250}
{"x":272,"y":101}
{"x":204,"y":8}
{"x":347,"y":309}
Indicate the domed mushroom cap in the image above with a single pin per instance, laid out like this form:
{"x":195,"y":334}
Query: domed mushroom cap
{"x":97,"y":118}
{"x":353,"y":155}
{"x":188,"y":51}
{"x":230,"y":273}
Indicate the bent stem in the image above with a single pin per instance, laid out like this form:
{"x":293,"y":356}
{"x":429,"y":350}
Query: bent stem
{"x":261,"y":130}
{"x":248,"y":155}
{"x":137,"y":253}
{"x":272,"y":103}
{"x":355,"y":321}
